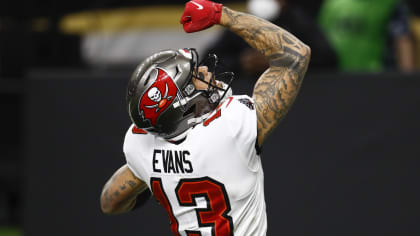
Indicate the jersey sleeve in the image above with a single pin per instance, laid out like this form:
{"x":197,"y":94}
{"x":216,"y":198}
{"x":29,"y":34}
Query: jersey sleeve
{"x":130,"y":156}
{"x":242,"y":121}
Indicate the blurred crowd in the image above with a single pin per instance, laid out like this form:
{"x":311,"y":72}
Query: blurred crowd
{"x":345,"y":36}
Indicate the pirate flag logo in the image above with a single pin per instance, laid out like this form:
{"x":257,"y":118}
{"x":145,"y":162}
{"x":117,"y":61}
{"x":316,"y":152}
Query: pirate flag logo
{"x":158,"y":97}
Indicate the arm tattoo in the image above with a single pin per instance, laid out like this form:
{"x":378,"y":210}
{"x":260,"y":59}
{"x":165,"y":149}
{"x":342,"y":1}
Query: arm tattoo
{"x":276,"y":90}
{"x":121,"y":190}
{"x":130,"y":183}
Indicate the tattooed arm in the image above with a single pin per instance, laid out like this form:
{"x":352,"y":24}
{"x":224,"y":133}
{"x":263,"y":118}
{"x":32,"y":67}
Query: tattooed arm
{"x":120,"y":194}
{"x":276,"y":90}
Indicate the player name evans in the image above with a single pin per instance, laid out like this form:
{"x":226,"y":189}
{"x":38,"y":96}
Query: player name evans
{"x":171,"y":161}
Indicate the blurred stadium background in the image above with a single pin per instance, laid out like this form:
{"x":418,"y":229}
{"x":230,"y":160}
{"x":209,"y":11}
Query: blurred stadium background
{"x":344,"y":162}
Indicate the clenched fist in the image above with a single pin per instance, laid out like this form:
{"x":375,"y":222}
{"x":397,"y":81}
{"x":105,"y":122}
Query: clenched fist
{"x":200,"y":14}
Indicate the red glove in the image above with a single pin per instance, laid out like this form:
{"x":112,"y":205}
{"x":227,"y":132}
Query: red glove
{"x":200,"y":14}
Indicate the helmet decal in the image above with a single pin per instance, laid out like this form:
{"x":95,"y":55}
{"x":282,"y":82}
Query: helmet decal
{"x":158,"y":97}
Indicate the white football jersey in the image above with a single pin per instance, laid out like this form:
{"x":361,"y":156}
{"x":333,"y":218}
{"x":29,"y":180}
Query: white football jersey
{"x":211,"y":184}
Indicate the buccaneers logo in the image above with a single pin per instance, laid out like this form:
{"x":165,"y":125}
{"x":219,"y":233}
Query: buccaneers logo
{"x":158,"y":97}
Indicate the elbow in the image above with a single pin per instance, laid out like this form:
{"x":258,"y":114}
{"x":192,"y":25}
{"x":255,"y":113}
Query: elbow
{"x":107,"y":206}
{"x":305,"y":58}
{"x":306,"y":52}
{"x":107,"y":211}
{"x":296,"y":57}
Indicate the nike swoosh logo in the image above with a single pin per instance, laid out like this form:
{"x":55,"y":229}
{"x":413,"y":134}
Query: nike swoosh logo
{"x":199,"y":7}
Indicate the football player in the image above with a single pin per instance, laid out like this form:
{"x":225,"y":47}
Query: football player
{"x":192,"y":144}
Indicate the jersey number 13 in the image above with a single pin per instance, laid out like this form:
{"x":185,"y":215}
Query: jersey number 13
{"x":215,"y":215}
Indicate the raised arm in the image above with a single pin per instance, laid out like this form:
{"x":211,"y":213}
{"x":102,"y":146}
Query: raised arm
{"x":276,"y":90}
{"x":123,"y":192}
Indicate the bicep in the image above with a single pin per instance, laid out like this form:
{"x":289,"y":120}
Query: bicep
{"x":274,"y":94}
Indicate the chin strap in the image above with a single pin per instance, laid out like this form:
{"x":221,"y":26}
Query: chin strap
{"x":221,"y":94}
{"x":229,"y":92}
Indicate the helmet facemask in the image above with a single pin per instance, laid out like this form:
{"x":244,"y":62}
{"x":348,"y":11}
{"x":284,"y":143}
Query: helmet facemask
{"x":220,"y":82}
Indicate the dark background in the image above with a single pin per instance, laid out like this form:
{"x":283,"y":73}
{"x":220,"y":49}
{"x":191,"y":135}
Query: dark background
{"x":344,"y":161}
